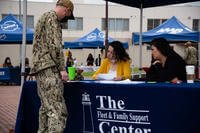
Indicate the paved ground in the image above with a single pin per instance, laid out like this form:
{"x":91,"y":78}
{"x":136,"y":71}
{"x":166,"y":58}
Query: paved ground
{"x":9,"y":100}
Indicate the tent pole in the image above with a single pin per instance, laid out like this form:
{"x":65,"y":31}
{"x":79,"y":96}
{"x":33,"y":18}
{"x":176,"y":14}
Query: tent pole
{"x":199,"y":58}
{"x":199,"y":53}
{"x":94,"y":55}
{"x":140,"y":39}
{"x":23,"y":43}
{"x":106,"y":29}
{"x":20,"y":46}
{"x":20,"y":11}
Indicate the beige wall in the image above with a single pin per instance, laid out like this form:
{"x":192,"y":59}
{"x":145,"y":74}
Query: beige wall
{"x":13,"y":51}
{"x":92,"y":15}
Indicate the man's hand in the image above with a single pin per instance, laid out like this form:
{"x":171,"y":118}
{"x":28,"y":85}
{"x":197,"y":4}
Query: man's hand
{"x":64,"y":75}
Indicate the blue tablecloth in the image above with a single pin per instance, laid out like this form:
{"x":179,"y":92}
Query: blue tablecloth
{"x":4,"y":74}
{"x":10,"y":75}
{"x":119,"y":108}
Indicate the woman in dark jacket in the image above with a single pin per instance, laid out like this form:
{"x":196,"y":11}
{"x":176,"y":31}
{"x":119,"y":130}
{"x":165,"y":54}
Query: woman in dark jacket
{"x":167,"y":65}
{"x":90,"y":60}
{"x":7,"y":62}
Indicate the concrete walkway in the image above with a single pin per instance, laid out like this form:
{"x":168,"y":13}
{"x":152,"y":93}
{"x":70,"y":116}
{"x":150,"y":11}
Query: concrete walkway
{"x":9,"y":100}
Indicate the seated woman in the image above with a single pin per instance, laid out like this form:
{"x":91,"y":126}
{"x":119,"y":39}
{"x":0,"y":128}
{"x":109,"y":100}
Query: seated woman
{"x":70,"y":60}
{"x":166,"y":65}
{"x":116,"y":64}
{"x":90,"y":60}
{"x":7,"y":62}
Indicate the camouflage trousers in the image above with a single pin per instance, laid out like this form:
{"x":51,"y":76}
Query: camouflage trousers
{"x":53,"y":112}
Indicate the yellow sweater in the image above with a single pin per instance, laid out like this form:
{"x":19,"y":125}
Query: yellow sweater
{"x":123,"y":69}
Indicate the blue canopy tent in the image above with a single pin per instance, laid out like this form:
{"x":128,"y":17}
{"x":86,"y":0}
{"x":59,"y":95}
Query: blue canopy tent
{"x":172,"y":30}
{"x":146,"y":4}
{"x":11,"y":31}
{"x":94,"y":39}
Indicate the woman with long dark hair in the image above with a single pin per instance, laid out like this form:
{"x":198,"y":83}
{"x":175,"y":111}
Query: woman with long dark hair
{"x":90,"y":60}
{"x":167,"y":65}
{"x":116,"y":64}
{"x":7,"y":62}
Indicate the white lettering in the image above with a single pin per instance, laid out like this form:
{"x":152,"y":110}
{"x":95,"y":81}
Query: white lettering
{"x":123,"y":129}
{"x":170,"y":30}
{"x":2,"y":36}
{"x":105,"y":127}
{"x":138,"y":118}
{"x":101,"y":126}
{"x":120,"y":116}
{"x":111,"y":103}
{"x":9,"y":26}
{"x":130,"y":128}
{"x":92,"y":36}
{"x":113,"y":129}
{"x":147,"y":130}
{"x":138,"y":130}
{"x":101,"y":98}
{"x":2,"y":73}
{"x":102,"y":115}
{"x":121,"y":104}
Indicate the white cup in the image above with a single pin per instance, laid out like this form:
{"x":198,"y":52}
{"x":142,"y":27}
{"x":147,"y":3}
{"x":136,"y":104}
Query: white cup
{"x":190,"y":73}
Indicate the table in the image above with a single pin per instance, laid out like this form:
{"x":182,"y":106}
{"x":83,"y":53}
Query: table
{"x":88,"y":68}
{"x":10,"y":75}
{"x":15,"y":75}
{"x":119,"y":108}
{"x":4,"y":74}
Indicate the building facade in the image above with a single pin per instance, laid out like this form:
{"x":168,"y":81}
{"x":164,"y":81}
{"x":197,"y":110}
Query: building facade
{"x":123,"y":21}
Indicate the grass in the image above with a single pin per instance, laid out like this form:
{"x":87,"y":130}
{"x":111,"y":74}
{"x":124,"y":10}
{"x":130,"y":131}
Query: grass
{"x":88,"y":74}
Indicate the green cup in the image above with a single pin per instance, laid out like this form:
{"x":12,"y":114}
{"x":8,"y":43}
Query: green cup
{"x":71,"y":73}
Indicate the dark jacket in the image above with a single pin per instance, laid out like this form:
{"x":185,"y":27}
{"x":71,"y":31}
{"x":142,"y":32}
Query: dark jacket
{"x":47,"y":44}
{"x":174,"y":67}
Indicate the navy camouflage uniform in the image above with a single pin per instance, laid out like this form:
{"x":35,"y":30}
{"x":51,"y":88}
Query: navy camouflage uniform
{"x":48,"y":61}
{"x":191,"y":55}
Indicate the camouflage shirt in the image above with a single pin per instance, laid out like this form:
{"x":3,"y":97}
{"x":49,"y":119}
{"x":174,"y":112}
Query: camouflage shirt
{"x":191,"y":55}
{"x":47,"y":43}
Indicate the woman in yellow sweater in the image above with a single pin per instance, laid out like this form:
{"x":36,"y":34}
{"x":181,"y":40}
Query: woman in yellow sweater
{"x":117,"y":63}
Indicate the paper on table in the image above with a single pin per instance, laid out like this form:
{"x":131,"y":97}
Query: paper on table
{"x":105,"y":77}
{"x":121,"y":82}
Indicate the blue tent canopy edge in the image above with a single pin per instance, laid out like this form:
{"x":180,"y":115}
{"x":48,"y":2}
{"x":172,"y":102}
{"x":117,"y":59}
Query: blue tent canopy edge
{"x":172,"y":30}
{"x":94,"y":39}
{"x":11,"y":31}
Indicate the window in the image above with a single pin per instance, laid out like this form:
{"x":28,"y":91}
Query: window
{"x":76,"y":24}
{"x":196,"y":25}
{"x":30,"y":19}
{"x":116,"y":24}
{"x":152,"y":23}
{"x":148,"y":47}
